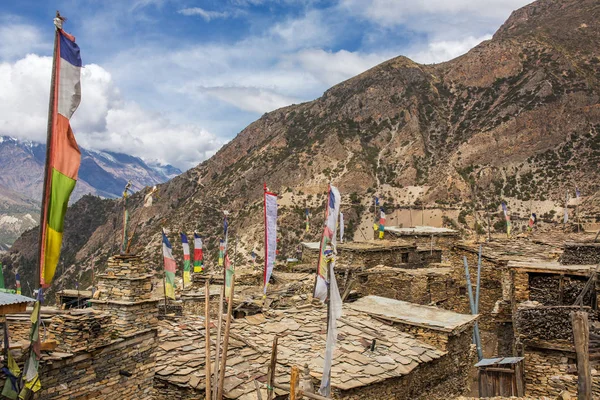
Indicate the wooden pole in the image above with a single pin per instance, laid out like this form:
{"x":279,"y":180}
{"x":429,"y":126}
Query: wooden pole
{"x":294,"y":383}
{"x":165,"y":290}
{"x":47,"y":169}
{"x":271,"y":371}
{"x":581,"y":338}
{"x":207,"y":371}
{"x":258,"y":393}
{"x":218,"y":349}
{"x":93,"y":277}
{"x":226,"y":339}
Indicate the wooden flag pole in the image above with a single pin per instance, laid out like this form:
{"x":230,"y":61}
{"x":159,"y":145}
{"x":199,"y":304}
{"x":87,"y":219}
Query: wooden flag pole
{"x":207,"y":373}
{"x":226,"y":339}
{"x":165,"y":290}
{"x":581,"y":338}
{"x":218,"y":344}
{"x":47,"y":169}
{"x":294,"y":383}
{"x":271,"y":371}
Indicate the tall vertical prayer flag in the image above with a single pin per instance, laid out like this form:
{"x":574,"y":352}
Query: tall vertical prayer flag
{"x":31,"y":377}
{"x":62,"y":155}
{"x":170,"y":267}
{"x":1,"y":277}
{"x":307,"y":222}
{"x":381,"y":223}
{"x":326,"y":285}
{"x":341,"y":227}
{"x":221,"y":252}
{"x":229,"y":271}
{"x":270,"y":206}
{"x":18,"y":283}
{"x":198,"y":256}
{"x":186,"y":258}
{"x":507,"y":217}
{"x":328,"y":242}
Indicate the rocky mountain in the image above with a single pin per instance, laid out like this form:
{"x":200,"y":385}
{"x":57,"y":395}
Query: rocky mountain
{"x":517,"y":118}
{"x":101,"y":173}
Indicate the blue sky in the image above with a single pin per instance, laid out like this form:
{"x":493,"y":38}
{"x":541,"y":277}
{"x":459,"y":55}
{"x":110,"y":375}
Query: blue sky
{"x":173,"y":80}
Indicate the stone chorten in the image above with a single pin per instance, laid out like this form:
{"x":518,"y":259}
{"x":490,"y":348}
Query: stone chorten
{"x":125,"y":292}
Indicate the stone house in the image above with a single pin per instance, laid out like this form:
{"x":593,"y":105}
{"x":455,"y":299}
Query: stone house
{"x":392,"y":253}
{"x":373,"y":359}
{"x":100,"y":352}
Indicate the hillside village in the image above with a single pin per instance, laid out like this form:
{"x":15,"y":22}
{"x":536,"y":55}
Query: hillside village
{"x":437,"y":236}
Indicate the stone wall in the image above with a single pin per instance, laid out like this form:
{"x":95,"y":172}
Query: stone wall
{"x":129,"y":317}
{"x":404,"y":258}
{"x":420,"y":286}
{"x":81,"y":330}
{"x":549,"y":372}
{"x":491,"y":291}
{"x":444,"y":378}
{"x":393,"y":257}
{"x":123,"y":369}
{"x":164,"y":390}
{"x":126,"y":289}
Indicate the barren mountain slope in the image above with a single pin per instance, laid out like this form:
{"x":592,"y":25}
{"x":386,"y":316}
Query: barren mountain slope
{"x":516,"y":117}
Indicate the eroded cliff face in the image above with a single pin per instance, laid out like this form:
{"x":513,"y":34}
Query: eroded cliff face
{"x":516,"y":117}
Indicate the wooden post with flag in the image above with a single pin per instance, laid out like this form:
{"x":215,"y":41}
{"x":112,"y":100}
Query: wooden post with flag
{"x":62,"y":152}
{"x":207,"y":372}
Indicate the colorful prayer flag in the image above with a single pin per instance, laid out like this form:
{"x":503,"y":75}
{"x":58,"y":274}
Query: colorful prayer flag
{"x":307,"y":222}
{"x":186,"y":258}
{"x":532,"y":220}
{"x":328,"y":242}
{"x":64,"y":157}
{"x":325,"y":278}
{"x":341,"y":227}
{"x":381,"y":223}
{"x":221,"y":252}
{"x":31,"y":377}
{"x":507,"y":217}
{"x":198,"y":255}
{"x":229,"y":271}
{"x":170,"y":267}
{"x":148,"y":197}
{"x":270,"y":208}
{"x":18,"y":282}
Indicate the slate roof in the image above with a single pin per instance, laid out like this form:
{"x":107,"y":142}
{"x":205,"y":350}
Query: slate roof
{"x":180,"y":357}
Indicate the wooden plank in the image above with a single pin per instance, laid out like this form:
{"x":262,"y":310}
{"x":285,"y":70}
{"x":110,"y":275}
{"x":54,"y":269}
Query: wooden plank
{"x":581,"y":332}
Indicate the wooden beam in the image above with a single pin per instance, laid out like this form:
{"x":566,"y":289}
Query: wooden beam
{"x":207,"y":371}
{"x":581,"y":337}
{"x":271,"y":371}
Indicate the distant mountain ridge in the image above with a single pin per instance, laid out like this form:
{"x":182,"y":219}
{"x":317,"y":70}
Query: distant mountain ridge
{"x":102,"y":173}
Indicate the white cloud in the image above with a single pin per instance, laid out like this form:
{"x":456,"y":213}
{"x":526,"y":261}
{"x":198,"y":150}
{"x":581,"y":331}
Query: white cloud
{"x":331,"y":68}
{"x":252,"y":99}
{"x":17,"y":40}
{"x":104,"y":121}
{"x":205,"y":14}
{"x":446,"y":49}
{"x":393,"y":12}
